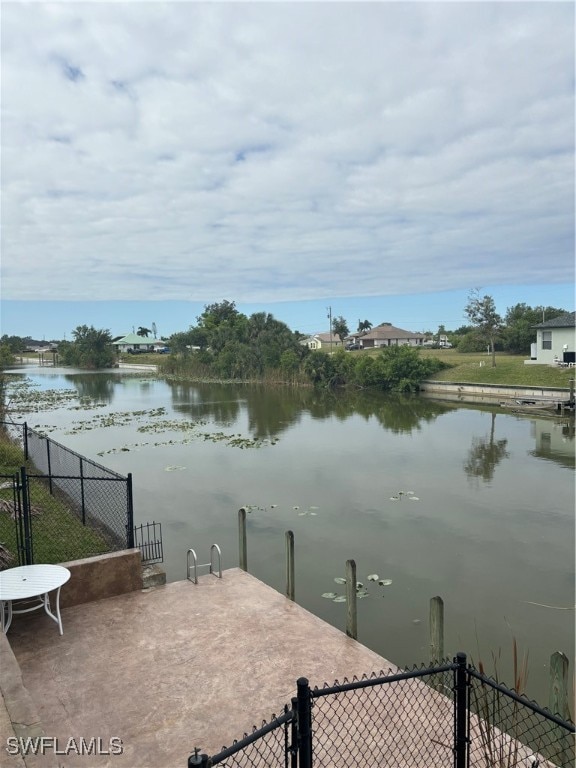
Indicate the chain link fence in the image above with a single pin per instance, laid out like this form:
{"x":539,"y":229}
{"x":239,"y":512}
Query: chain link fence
{"x":448,"y":716}
{"x":70,"y":507}
{"x":386,"y":721}
{"x":507,"y":729}
{"x":269,"y":745}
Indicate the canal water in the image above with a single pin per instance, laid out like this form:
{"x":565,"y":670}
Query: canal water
{"x":470,"y":503}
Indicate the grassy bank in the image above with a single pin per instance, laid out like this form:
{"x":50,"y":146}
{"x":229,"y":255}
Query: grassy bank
{"x":509,"y":370}
{"x":59,"y":534}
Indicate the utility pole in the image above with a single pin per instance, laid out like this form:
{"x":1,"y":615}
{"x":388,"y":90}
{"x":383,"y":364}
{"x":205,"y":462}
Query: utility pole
{"x":330,"y":319}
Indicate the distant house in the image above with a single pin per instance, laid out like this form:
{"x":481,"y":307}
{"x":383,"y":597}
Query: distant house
{"x":133,"y":342}
{"x":555,"y":340}
{"x":386,"y":335}
{"x":322,"y":341}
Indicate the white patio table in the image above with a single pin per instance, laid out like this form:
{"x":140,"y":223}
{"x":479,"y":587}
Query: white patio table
{"x":31,"y":581}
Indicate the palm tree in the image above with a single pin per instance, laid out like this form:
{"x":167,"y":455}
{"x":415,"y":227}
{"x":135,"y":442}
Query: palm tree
{"x":143,"y":332}
{"x":364,"y":325}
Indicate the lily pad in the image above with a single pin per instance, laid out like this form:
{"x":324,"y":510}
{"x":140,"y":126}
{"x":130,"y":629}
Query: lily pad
{"x":385,"y":582}
{"x":340,"y":580}
{"x":413,"y":498}
{"x":329,"y":595}
{"x":372,"y":577}
{"x":174,"y":468}
{"x":339,"y":599}
{"x":394,"y":498}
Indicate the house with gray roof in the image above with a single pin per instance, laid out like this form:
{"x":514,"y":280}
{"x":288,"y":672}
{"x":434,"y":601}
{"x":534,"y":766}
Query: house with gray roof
{"x":555,"y":341}
{"x":386,"y":335}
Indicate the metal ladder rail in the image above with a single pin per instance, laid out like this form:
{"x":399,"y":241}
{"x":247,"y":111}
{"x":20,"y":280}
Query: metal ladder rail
{"x":195,"y":564}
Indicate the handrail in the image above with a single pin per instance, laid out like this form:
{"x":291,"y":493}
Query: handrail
{"x":217,"y":548}
{"x":195,"y":565}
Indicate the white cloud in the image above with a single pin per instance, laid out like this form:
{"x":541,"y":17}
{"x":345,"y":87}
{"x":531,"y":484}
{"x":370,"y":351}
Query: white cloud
{"x":270,"y":152}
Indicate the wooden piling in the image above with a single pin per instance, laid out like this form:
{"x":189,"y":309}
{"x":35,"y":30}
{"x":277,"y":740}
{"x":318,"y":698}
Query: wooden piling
{"x":351,"y":608}
{"x":558,"y":692}
{"x":558,"y":704}
{"x":436,"y":630}
{"x":290,"y":565}
{"x":243,"y":550}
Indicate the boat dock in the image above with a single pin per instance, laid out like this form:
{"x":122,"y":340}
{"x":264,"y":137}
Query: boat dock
{"x":168,"y":669}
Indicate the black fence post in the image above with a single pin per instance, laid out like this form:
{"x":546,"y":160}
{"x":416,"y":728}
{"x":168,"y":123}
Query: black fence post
{"x":460,"y":712}
{"x":130,"y":513}
{"x":26,"y":518}
{"x":82,"y":491}
{"x":25,"y":440}
{"x":304,"y":723}
{"x":49,"y":463}
{"x":198,"y":760}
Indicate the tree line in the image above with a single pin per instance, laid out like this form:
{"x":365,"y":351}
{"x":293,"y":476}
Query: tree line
{"x":227,"y":344}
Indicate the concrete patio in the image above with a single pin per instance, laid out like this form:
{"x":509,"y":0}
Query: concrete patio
{"x":167,"y":669}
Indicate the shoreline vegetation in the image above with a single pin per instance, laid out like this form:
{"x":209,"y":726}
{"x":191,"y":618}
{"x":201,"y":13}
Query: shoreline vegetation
{"x":458,"y":368}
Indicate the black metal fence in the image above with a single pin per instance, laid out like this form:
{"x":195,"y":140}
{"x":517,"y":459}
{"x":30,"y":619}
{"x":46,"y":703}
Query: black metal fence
{"x":70,"y":493}
{"x":148,"y":539}
{"x":448,"y":715}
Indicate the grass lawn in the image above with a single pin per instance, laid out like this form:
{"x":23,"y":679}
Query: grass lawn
{"x":510,"y":369}
{"x":58,"y":532}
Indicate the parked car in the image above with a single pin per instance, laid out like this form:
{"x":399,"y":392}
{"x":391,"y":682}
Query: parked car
{"x":353,"y":346}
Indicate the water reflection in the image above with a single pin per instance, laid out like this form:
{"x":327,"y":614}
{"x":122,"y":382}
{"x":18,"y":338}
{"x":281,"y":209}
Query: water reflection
{"x":502,"y":551}
{"x":271,"y":411}
{"x":555,"y":441}
{"x":485,"y":454}
{"x":99,"y":388}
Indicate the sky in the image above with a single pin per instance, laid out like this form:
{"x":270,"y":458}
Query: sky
{"x":373,"y":160}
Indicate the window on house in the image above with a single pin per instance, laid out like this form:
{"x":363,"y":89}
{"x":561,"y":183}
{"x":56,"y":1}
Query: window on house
{"x":546,"y":339}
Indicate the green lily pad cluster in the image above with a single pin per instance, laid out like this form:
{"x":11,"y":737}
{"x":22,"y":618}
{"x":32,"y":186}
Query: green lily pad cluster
{"x":410,"y":495}
{"x":214,"y":437}
{"x":115,"y":419}
{"x":361,"y":590}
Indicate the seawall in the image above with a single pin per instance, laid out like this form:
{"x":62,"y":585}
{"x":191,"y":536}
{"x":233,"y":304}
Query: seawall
{"x":492,"y":393}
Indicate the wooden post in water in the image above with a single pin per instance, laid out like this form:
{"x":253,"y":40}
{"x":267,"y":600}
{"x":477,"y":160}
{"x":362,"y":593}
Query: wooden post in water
{"x":436,"y":630}
{"x":290,"y":565}
{"x":558,"y":705}
{"x":243,"y":551}
{"x":351,"y":612}
{"x":558,"y":694}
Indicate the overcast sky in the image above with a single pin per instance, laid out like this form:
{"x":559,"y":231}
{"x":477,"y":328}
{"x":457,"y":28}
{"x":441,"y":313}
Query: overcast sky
{"x":282,"y":152}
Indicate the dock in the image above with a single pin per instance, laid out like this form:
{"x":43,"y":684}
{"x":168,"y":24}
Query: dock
{"x":168,"y":669}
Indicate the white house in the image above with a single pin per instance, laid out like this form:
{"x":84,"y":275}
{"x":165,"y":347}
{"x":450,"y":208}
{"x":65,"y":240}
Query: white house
{"x":322,"y":341}
{"x":556,"y":340}
{"x":134,"y":342}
